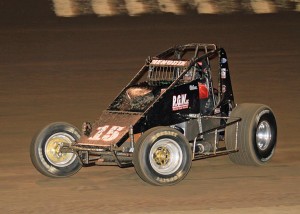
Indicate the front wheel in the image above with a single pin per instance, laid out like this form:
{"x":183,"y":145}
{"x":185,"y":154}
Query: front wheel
{"x":256,"y":136}
{"x":162,"y":156}
{"x":46,"y":154}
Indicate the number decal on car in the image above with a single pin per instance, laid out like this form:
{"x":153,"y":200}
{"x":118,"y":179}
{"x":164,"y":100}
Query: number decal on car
{"x":106,"y":134}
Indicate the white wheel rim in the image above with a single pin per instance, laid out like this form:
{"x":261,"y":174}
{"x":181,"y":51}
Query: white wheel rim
{"x":165,"y":156}
{"x":263,"y":135}
{"x":53,"y":147}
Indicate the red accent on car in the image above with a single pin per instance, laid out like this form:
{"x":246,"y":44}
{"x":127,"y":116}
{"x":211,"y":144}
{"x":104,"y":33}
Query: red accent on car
{"x":203,"y":91}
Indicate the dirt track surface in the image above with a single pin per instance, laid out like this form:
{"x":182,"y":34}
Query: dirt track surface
{"x":70,"y":70}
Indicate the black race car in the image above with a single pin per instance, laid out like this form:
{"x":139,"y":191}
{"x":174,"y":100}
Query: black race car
{"x":168,"y":115}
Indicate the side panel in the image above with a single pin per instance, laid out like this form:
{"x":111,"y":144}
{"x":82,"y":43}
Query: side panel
{"x":226,"y":92}
{"x":110,"y":129}
{"x":174,"y":106}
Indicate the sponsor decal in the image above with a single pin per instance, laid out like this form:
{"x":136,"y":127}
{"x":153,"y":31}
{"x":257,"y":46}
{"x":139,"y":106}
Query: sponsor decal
{"x":154,"y":138}
{"x":223,"y":60}
{"x":180,"y":102}
{"x":261,"y":114}
{"x":169,"y":62}
{"x":171,"y":179}
{"x":217,"y":110}
{"x":223,"y":73}
{"x":193,"y":87}
{"x":107,"y":133}
{"x":223,"y":88}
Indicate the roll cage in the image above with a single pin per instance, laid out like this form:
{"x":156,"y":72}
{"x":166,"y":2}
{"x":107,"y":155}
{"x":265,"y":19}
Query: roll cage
{"x":168,"y":69}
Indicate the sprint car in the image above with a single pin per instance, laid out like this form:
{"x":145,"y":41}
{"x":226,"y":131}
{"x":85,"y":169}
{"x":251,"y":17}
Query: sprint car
{"x":178,"y":108}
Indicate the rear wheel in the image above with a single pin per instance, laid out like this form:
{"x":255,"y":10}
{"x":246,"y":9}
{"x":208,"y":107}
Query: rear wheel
{"x":162,"y":156}
{"x":256,"y":135}
{"x":46,"y":154}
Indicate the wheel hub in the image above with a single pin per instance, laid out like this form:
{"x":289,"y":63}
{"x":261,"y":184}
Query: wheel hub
{"x":161,"y":156}
{"x":263,"y":135}
{"x":53,"y":150}
{"x":166,"y":156}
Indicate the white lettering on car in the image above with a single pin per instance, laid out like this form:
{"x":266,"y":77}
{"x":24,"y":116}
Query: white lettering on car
{"x":113,"y":133}
{"x":180,"y":102}
{"x":169,"y":62}
{"x":193,"y":87}
{"x":110,"y":134}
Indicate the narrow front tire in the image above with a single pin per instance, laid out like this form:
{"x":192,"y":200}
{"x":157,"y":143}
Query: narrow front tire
{"x":46,"y":154}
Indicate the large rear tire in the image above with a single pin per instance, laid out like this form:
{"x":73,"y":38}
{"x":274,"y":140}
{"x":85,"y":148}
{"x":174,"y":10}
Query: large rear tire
{"x":256,"y":137}
{"x":46,"y":155}
{"x":162,"y":156}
